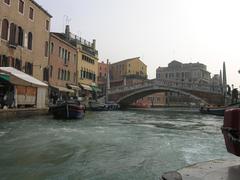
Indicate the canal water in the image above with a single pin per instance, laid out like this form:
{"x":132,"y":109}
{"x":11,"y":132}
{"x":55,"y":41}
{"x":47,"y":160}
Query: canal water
{"x":122,"y":145}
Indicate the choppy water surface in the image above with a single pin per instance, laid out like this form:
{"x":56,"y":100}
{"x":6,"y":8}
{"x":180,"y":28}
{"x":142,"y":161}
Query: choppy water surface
{"x":134,"y":144}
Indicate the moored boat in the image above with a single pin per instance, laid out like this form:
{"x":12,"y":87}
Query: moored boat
{"x":98,"y":106}
{"x":218,"y":111}
{"x":68,"y":110}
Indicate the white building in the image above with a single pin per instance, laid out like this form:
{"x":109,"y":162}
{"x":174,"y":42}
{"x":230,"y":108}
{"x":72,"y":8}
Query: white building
{"x":189,"y":72}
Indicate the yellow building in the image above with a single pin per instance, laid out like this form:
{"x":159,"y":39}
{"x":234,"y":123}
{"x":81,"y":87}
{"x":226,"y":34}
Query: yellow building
{"x":87,"y":60}
{"x":24,"y":37}
{"x":87,"y":63}
{"x":129,"y":68}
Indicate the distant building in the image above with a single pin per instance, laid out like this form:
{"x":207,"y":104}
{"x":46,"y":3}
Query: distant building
{"x":62,"y":65}
{"x":129,"y":71}
{"x":154,"y":100}
{"x":102,"y":76}
{"x":188,"y":72}
{"x":24,"y":32}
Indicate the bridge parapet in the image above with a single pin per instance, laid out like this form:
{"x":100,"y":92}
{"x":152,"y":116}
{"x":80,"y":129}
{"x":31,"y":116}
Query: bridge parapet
{"x":168,"y":84}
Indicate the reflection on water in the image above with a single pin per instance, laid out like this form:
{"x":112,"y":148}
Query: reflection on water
{"x":134,"y":144}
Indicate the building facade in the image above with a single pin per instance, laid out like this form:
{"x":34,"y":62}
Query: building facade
{"x":86,"y":57}
{"x":24,"y":32}
{"x":132,"y":68}
{"x":62,"y":64}
{"x":102,"y":76}
{"x":189,"y":72}
{"x":154,"y":100}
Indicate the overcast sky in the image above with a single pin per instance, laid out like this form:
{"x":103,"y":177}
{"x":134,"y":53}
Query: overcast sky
{"x":159,"y":31}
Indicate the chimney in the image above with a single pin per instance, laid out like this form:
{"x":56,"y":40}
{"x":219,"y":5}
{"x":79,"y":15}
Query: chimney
{"x":67,"y":32}
{"x":94,"y":44}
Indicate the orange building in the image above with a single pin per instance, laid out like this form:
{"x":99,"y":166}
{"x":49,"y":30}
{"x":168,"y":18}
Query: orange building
{"x":102,"y":76}
{"x":62,"y":64}
{"x":153,"y":100}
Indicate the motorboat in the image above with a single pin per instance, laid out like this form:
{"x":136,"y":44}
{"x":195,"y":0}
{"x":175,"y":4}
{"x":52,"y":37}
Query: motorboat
{"x":218,"y":111}
{"x":68,"y":110}
{"x":100,"y":106}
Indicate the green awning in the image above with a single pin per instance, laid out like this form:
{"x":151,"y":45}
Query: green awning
{"x":4,"y":77}
{"x":96,"y":89}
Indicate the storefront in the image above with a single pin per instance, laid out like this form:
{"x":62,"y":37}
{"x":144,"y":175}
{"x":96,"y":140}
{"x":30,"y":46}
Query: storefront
{"x":6,"y":91}
{"x":26,"y":91}
{"x":60,"y":93}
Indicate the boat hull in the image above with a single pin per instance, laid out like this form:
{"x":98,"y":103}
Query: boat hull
{"x":67,"y":111}
{"x":231,"y":131}
{"x":218,"y":111}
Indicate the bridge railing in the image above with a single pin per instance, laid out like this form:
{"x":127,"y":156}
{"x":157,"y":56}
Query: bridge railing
{"x":168,"y":84}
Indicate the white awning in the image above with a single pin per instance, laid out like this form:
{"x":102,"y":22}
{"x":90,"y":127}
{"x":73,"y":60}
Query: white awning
{"x":63,"y":89}
{"x":86,"y":87}
{"x":19,"y":77}
{"x":74,"y":87}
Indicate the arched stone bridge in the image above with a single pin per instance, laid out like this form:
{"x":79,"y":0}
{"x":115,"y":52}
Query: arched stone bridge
{"x":207,"y":94}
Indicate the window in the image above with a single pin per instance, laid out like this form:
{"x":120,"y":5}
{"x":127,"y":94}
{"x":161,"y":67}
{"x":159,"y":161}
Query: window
{"x":21,"y":6}
{"x":31,"y":13}
{"x":65,"y":56}
{"x":65,"y":75}
{"x":5,"y":25}
{"x":7,"y":2}
{"x":30,"y":38}
{"x":46,"y":49}
{"x":59,"y":73}
{"x":13,"y":29}
{"x":52,"y":47}
{"x":47,"y":25}
{"x":59,"y":51}
{"x":4,"y":61}
{"x":68,"y":76}
{"x":29,"y":68}
{"x":69,"y":56}
{"x":51,"y":71}
{"x":75,"y":59}
{"x":62,"y":55}
{"x":45,"y":74}
{"x":18,"y":64}
{"x":20,"y":36}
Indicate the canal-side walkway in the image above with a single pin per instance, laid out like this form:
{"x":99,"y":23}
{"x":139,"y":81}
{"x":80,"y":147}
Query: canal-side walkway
{"x":21,"y":112}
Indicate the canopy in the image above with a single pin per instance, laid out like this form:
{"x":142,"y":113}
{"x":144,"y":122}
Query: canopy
{"x":20,"y":78}
{"x":63,"y":89}
{"x":4,"y":77}
{"x":74,"y":87}
{"x":86,"y":87}
{"x":96,"y":89}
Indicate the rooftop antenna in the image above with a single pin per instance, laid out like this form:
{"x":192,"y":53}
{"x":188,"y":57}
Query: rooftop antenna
{"x":173,"y":54}
{"x":66,"y":21}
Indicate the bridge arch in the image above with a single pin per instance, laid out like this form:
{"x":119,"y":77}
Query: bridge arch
{"x":133,"y":96}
